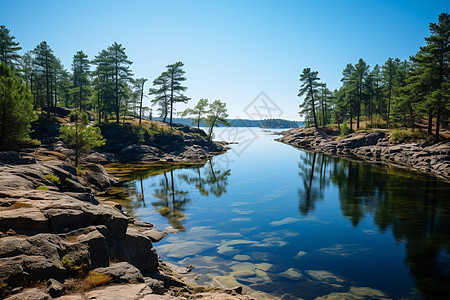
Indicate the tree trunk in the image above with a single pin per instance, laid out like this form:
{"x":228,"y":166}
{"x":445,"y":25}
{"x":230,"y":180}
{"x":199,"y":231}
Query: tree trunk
{"x":388,"y":110}
{"x":140,"y":106}
{"x":117,"y":92}
{"x":171,"y":98}
{"x":3,"y":128}
{"x":76,"y":144}
{"x":430,"y":120}
{"x":313,"y":107}
{"x":47,"y":84}
{"x":438,"y":121}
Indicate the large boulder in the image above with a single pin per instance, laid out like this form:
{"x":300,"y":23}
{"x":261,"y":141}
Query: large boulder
{"x":97,"y":177}
{"x":95,"y":242}
{"x":63,"y":213}
{"x":141,"y":251}
{"x":25,"y":260}
{"x":140,"y":153}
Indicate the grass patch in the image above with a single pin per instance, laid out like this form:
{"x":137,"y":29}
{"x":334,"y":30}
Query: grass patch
{"x":18,"y":205}
{"x":53,"y":179}
{"x":95,"y":279}
{"x":42,"y":188}
{"x":409,"y":135}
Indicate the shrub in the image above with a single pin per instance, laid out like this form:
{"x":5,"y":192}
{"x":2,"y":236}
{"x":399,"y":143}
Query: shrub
{"x":407,"y":135}
{"x":53,"y":178}
{"x":42,"y":188}
{"x":68,"y":264}
{"x":344,"y":129}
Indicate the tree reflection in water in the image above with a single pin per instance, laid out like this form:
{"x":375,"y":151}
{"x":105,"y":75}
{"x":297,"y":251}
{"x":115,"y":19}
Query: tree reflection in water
{"x":414,"y":207}
{"x":171,"y":186}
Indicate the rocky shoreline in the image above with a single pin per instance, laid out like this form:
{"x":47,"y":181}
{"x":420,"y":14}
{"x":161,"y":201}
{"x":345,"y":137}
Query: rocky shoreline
{"x":374,"y":147}
{"x":58,"y":241}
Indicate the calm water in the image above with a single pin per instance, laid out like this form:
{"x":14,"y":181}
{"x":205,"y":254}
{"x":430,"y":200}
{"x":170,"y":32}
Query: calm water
{"x":298,"y":224}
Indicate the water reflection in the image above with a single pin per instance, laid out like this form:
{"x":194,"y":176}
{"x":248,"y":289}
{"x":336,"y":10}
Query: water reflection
{"x":415,"y":208}
{"x":171,"y":186}
{"x":303,"y":224}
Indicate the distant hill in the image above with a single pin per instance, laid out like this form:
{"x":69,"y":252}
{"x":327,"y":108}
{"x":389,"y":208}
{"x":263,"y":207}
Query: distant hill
{"x":268,"y":123}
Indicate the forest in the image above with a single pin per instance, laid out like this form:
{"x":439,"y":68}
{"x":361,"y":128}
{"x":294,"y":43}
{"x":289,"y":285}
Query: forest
{"x":410,"y":93}
{"x":102,"y":89}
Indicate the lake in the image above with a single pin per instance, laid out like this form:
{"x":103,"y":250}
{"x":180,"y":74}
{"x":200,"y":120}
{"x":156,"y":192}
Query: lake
{"x":298,"y":224}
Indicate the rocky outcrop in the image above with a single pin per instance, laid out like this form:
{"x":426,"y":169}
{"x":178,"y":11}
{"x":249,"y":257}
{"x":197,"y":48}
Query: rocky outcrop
{"x":179,"y":144}
{"x":24,"y":173}
{"x":375,"y":147}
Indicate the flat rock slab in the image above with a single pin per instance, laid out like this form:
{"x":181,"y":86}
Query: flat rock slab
{"x":126,"y":292}
{"x":155,"y":235}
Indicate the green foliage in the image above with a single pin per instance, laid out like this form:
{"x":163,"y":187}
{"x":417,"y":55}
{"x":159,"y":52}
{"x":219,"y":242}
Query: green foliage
{"x":278,"y":123}
{"x":175,"y":77}
{"x":198,"y":112}
{"x":53,"y":179}
{"x":42,"y":188}
{"x":34,"y":142}
{"x":217,"y":114}
{"x":80,"y":67}
{"x":16,"y":109}
{"x":309,"y":89}
{"x":80,"y":135}
{"x":8,"y":48}
{"x":68,"y":264}
{"x":344,"y":129}
{"x":408,"y":135}
{"x":161,"y":93}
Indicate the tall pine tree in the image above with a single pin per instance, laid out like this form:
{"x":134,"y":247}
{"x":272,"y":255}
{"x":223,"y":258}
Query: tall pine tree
{"x":309,"y":89}
{"x":8,"y":48}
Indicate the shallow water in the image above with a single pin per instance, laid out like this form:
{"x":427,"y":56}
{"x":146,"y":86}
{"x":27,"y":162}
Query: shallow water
{"x":289,"y":222}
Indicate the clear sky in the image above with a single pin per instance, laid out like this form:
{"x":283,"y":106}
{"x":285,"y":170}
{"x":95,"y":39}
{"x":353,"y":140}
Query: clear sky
{"x":232,"y":50}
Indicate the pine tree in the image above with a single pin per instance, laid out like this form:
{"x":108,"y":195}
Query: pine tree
{"x":350,"y":91}
{"x":16,"y":108}
{"x":361,"y":72}
{"x":80,"y":68}
{"x":139,"y":87}
{"x":161,"y":93}
{"x":80,"y":135}
{"x":433,"y":60}
{"x":45,"y":64}
{"x":8,"y":48}
{"x":389,"y":71}
{"x":217,"y":114}
{"x":324,"y":99}
{"x":309,"y":89}
{"x":175,"y":76}
{"x":122,"y":73}
{"x":198,"y":112}
{"x":103,"y":84}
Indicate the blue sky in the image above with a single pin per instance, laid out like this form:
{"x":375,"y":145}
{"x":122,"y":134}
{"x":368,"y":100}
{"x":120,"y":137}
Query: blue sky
{"x":232,"y":50}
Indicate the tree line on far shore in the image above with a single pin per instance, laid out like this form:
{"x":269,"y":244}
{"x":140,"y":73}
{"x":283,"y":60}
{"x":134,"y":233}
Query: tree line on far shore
{"x":398,"y":93}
